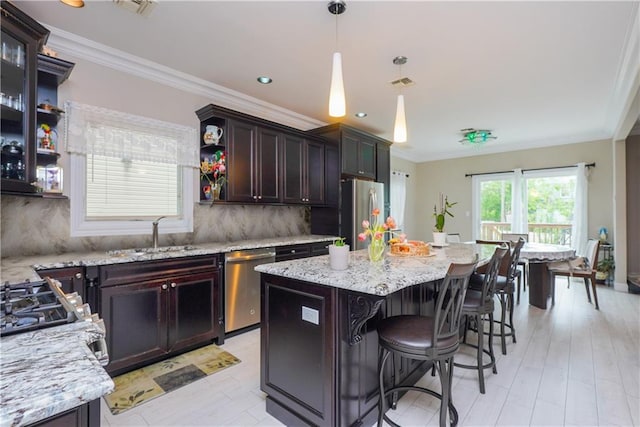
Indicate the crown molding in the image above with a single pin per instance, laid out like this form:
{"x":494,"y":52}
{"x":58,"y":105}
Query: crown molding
{"x":80,"y":47}
{"x":628,"y":78}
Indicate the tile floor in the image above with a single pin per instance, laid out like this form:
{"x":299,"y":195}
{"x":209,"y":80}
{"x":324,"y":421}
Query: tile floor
{"x":572,"y":365}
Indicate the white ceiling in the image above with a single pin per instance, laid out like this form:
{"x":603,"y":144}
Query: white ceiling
{"x":536,"y":73}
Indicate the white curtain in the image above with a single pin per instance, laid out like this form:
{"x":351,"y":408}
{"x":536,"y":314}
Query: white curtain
{"x":398,"y":192}
{"x":96,"y":130}
{"x":519,"y":221}
{"x":579,"y":229}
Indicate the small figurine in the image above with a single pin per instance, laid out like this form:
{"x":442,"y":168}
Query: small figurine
{"x":603,"y":234}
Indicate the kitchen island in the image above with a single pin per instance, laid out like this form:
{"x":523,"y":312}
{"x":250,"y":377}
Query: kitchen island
{"x":52,"y":373}
{"x":319,"y":346}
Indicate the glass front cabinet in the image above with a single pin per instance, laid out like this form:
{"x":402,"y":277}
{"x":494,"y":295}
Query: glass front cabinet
{"x":29,"y":82}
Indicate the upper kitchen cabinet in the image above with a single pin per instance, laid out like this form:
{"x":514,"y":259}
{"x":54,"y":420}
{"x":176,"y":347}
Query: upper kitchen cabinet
{"x":21,"y":40}
{"x":304,"y":174}
{"x":254,"y":163}
{"x":252,"y":154}
{"x":357,"y":149}
{"x":29,"y":81}
{"x":268,"y":162}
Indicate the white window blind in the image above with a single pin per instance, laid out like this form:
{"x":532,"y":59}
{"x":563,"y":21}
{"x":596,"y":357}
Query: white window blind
{"x":119,"y":189}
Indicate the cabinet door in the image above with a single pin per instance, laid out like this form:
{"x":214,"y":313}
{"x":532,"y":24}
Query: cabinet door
{"x":267,"y":166}
{"x":383,"y":174}
{"x":331,"y":176}
{"x":293,"y":188}
{"x":135,"y":316}
{"x":314,"y":177}
{"x":350,"y":147}
{"x":17,"y":115}
{"x":241,"y":154}
{"x":71,"y":279}
{"x":193,"y":316}
{"x":367,"y":159}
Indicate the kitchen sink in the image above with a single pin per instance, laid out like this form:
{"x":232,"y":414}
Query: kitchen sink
{"x":147,"y":251}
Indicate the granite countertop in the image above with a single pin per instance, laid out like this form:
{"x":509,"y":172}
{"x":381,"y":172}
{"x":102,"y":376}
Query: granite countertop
{"x":21,"y":268}
{"x":384,"y":278}
{"x":48,"y":371}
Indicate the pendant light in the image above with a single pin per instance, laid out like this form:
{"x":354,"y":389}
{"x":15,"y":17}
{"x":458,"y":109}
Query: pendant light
{"x":400,"y":126}
{"x":73,"y":3}
{"x":337,"y":103}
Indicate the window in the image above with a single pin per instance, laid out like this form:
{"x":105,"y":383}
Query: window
{"x":549,"y":205}
{"x":127,"y":171}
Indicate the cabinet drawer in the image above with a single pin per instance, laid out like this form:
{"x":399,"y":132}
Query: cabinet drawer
{"x":117,"y":274}
{"x":320,"y":248}
{"x":284,"y":253}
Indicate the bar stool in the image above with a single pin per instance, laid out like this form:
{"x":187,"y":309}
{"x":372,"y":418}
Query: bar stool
{"x":477,"y":305}
{"x":431,"y":338}
{"x":513,"y":237}
{"x":505,"y":289}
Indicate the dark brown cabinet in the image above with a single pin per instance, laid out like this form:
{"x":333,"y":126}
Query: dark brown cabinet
{"x":383,"y":173}
{"x":29,"y":81}
{"x":303,"y":171}
{"x":358,"y":155}
{"x":253,"y":163}
{"x":87,"y":415}
{"x":71,"y":279}
{"x":156,"y":308}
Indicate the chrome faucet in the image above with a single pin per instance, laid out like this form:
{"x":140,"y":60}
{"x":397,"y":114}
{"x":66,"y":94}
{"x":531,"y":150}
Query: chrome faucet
{"x":154,"y":232}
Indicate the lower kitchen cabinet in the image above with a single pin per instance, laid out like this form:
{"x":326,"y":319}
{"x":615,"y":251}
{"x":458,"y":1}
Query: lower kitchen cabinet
{"x":87,"y":415}
{"x":158,"y":308}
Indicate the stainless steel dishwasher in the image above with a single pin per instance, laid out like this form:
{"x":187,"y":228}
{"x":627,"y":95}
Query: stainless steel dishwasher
{"x":242,"y":287}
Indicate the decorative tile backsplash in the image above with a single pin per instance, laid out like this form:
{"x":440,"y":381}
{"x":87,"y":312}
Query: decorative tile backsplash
{"x":34,"y":226}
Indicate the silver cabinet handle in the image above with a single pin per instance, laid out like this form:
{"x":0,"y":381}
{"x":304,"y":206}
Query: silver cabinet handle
{"x":78,"y":276}
{"x":173,"y":284}
{"x":164,"y":286}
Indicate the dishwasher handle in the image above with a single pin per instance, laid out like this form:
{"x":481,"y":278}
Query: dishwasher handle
{"x":244,"y":258}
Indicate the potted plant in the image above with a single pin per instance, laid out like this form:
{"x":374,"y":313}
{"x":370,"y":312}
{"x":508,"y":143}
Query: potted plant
{"x":440,"y":211}
{"x":604,"y":268}
{"x":339,"y":254}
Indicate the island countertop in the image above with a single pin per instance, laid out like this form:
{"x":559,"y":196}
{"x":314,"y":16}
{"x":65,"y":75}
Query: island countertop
{"x":49,"y":371}
{"x":386,"y":277}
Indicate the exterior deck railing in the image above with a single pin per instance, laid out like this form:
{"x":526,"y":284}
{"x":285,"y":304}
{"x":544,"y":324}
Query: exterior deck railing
{"x":558,"y":234}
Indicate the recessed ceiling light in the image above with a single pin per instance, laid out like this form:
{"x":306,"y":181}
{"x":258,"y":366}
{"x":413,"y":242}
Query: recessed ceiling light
{"x":264,"y":80}
{"x":361,"y":115}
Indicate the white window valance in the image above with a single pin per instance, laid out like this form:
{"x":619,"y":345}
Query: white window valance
{"x":97,"y":130}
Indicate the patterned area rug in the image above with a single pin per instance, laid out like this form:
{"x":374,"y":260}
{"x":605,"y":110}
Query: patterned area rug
{"x":144,"y":384}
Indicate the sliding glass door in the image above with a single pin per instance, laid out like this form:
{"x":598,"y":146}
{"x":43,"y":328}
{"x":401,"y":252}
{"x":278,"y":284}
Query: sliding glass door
{"x":546,"y":204}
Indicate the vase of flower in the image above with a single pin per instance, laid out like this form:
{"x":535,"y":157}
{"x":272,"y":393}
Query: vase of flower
{"x":376,"y":250}
{"x":376,"y":231}
{"x":339,"y":255}
{"x":439,"y":213}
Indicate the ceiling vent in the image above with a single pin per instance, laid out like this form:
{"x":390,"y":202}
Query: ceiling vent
{"x":139,"y":7}
{"x":403,"y":81}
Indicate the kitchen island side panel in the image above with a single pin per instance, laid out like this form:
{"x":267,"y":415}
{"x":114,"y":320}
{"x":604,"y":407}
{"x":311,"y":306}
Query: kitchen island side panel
{"x":321,"y":376}
{"x":298,"y":348}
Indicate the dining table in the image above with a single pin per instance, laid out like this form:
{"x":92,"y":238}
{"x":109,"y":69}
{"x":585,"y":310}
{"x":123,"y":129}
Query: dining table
{"x":538,"y":256}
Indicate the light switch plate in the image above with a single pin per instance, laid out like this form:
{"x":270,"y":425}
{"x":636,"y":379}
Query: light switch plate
{"x":310,"y":315}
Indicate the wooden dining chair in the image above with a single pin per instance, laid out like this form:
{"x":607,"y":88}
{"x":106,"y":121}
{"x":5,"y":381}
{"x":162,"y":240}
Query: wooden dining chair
{"x":583,"y":266}
{"x":523,"y":274}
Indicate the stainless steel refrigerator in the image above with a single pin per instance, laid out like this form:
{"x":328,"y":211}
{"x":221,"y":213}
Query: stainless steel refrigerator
{"x":359,"y":199}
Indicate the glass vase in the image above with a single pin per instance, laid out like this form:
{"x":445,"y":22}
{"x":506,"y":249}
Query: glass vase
{"x":376,"y":250}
